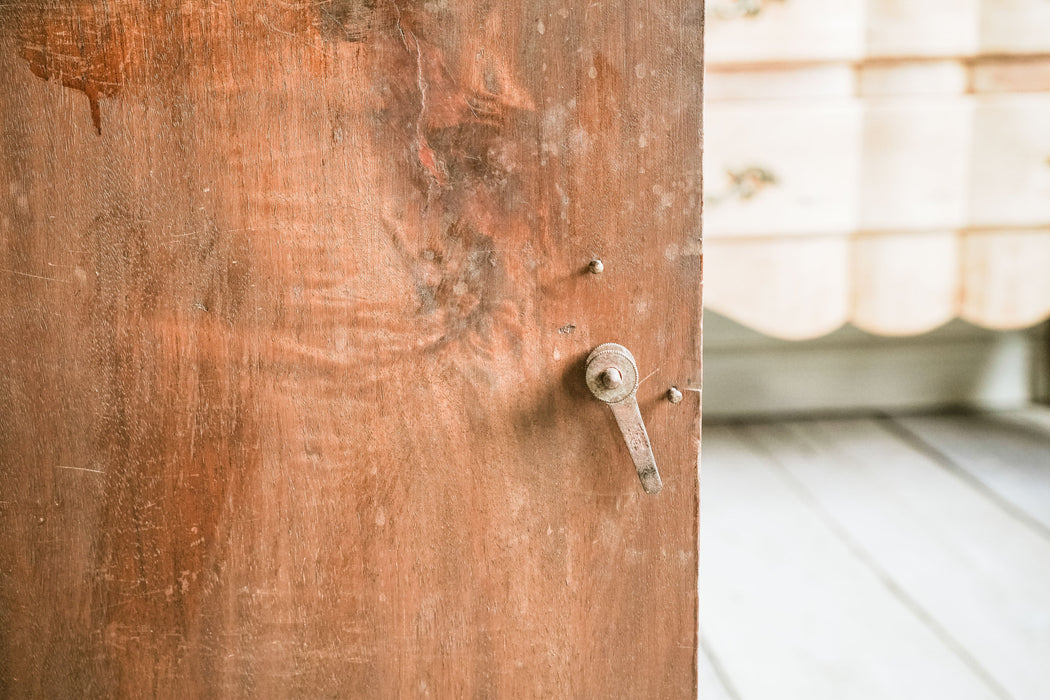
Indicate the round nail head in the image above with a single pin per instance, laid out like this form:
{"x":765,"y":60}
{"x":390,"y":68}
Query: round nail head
{"x":596,"y":267}
{"x":611,"y":373}
{"x":674,"y":395}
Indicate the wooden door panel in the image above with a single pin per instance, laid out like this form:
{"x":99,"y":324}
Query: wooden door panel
{"x":293,"y":314}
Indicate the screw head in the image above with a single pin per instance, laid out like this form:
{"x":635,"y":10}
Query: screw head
{"x":674,"y":395}
{"x":596,"y":267}
{"x":612,"y":378}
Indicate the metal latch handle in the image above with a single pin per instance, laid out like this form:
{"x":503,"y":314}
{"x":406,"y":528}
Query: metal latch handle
{"x":612,"y":376}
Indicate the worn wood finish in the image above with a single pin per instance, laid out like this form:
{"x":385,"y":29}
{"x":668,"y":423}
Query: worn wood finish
{"x":293,"y":310}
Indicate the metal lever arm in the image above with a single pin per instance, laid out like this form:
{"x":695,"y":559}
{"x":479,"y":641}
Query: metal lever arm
{"x":612,"y":377}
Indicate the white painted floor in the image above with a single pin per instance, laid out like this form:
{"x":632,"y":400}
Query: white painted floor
{"x":876,"y":558}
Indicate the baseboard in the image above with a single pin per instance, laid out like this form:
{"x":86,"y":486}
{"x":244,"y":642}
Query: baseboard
{"x":958,"y":365}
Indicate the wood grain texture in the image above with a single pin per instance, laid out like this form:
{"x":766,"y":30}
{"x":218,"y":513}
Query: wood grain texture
{"x":293,"y":313}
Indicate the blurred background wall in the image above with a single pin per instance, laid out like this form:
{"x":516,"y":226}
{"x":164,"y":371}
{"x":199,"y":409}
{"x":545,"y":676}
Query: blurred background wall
{"x":877,"y":215}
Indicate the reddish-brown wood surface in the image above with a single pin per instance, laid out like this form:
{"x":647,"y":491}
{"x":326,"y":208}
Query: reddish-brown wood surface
{"x":293,"y":314}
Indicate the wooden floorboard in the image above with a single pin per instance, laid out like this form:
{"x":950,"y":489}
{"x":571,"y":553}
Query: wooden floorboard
{"x":1036,"y":416}
{"x":789,"y":607}
{"x":1009,"y":454}
{"x":979,"y":575}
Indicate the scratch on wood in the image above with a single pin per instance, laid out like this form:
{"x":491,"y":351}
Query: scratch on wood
{"x":648,"y":376}
{"x":81,"y":469}
{"x":37,"y":277}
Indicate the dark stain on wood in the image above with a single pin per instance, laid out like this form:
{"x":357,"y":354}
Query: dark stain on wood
{"x":80,"y":46}
{"x":347,"y":20}
{"x":446,"y":115}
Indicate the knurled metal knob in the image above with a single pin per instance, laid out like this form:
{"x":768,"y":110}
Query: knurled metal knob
{"x":612,"y":376}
